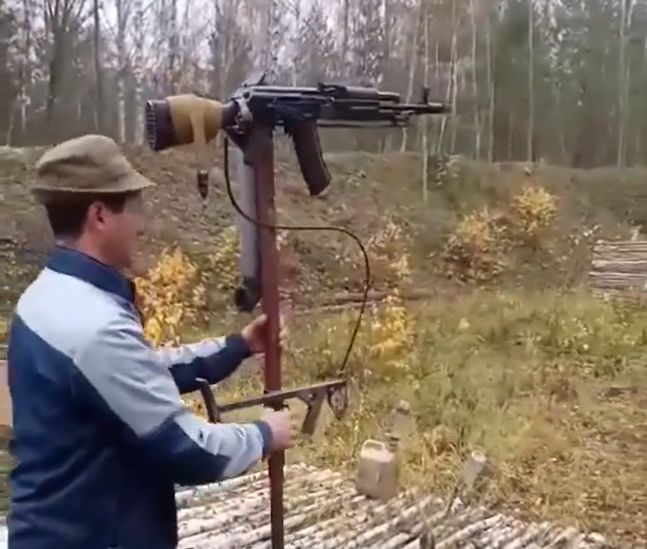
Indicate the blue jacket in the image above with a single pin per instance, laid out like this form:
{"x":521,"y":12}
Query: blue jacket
{"x":101,"y":436}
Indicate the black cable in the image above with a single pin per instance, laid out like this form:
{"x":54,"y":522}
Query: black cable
{"x":367,"y":266}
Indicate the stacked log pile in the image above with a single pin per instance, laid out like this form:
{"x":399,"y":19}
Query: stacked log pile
{"x":619,"y":270}
{"x":324,"y":510}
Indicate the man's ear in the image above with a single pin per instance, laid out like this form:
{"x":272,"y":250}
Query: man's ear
{"x":96,"y":214}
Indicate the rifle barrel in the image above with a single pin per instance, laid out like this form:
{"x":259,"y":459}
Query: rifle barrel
{"x":323,"y":91}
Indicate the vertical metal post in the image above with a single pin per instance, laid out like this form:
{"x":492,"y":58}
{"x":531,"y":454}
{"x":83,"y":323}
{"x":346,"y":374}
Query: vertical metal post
{"x":264,"y":178}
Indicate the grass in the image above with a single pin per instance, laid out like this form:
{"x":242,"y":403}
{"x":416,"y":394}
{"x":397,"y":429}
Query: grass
{"x":551,"y":386}
{"x":548,"y":384}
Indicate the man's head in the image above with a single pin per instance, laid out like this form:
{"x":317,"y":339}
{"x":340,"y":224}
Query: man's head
{"x":93,"y":198}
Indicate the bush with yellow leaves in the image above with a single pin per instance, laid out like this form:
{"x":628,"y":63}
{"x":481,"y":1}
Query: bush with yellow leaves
{"x":224,"y":259}
{"x":383,"y":343}
{"x":388,"y":251}
{"x":388,"y":339}
{"x":170,"y":296}
{"x":475,"y":250}
{"x":533,"y":209}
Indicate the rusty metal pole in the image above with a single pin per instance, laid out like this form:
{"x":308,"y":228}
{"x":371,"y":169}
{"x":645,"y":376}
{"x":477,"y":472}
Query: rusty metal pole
{"x":266,"y":209}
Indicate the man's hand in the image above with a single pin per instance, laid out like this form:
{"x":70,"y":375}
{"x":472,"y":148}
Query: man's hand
{"x":283,"y":429}
{"x":254,"y":334}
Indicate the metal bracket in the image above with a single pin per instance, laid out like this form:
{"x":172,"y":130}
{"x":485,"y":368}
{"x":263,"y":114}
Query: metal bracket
{"x":312,"y":396}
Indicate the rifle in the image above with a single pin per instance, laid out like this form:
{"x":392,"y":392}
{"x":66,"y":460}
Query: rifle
{"x":249,"y":119}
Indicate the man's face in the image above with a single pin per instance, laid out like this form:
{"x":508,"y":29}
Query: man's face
{"x":117,"y":234}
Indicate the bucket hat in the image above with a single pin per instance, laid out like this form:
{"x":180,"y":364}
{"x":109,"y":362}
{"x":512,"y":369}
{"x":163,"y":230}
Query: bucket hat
{"x":87,"y":164}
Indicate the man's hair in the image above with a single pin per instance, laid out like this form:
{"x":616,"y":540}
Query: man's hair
{"x":67,"y":215}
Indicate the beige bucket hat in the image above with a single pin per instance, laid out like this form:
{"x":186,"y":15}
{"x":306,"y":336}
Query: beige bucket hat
{"x":87,"y":164}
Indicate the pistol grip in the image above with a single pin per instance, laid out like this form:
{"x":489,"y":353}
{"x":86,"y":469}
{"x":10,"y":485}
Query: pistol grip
{"x":310,"y":156}
{"x":314,"y":409}
{"x":247,"y":295}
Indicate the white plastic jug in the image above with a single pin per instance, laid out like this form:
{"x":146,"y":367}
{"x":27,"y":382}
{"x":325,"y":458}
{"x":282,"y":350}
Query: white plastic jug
{"x":378,"y":471}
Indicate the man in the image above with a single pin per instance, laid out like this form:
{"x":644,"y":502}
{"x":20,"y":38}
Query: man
{"x":101,"y":435}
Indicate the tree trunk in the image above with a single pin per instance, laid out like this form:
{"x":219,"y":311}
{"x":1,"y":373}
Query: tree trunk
{"x":454,"y":56}
{"x":25,"y":67}
{"x":98,"y":71}
{"x":621,"y":85}
{"x":425,"y":122}
{"x":138,"y":70}
{"x":344,"y":48}
{"x":531,"y":83}
{"x":173,"y":49}
{"x":475,"y":90}
{"x":491,"y":86}
{"x":123,"y":9}
{"x":443,"y":121}
{"x":510,"y":136}
{"x":413,"y":61}
{"x":56,"y":68}
{"x":297,"y":23}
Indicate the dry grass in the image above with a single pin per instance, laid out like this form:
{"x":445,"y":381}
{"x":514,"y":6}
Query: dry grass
{"x":550,"y":386}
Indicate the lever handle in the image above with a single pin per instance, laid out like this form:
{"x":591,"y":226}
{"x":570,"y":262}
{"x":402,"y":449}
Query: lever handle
{"x":213,"y":413}
{"x":312,"y":415}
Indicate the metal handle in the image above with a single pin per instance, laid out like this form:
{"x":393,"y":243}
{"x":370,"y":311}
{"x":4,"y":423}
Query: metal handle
{"x":213,"y":413}
{"x":377,"y":444}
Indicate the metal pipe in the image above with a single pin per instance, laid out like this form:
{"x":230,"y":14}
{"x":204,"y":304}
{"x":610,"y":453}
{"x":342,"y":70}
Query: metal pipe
{"x":263,"y":149}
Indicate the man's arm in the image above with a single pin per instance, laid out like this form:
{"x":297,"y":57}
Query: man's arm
{"x":210,"y":359}
{"x":122,"y":383}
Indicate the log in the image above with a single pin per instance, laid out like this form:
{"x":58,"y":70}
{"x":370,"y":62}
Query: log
{"x":618,"y":280}
{"x":620,"y":256}
{"x":634,"y":266}
{"x":605,"y":245}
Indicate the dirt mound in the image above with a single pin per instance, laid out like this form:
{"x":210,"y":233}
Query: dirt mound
{"x":179,"y":215}
{"x":373,"y":195}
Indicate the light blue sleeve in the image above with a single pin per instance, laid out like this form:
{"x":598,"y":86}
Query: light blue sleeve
{"x":121,"y":377}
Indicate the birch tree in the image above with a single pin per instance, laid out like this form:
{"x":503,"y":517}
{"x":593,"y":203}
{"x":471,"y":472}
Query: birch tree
{"x":531,"y":82}
{"x":123,"y":8}
{"x":62,"y":22}
{"x":98,"y":69}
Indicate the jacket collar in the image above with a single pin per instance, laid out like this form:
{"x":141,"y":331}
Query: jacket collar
{"x":80,"y":265}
